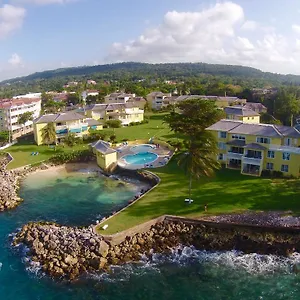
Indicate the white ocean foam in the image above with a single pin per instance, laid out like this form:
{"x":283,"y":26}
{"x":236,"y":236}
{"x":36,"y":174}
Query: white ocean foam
{"x":1,"y":266}
{"x":184,"y":256}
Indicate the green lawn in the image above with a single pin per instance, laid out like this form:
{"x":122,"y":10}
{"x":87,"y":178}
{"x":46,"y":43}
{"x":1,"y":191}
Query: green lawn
{"x":227,"y":192}
{"x":155,"y":128}
{"x":21,"y":153}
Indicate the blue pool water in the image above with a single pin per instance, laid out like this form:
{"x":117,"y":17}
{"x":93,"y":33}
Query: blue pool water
{"x":140,"y":158}
{"x":141,"y":148}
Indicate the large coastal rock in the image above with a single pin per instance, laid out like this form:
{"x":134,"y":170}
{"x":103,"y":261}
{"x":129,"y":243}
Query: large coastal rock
{"x":68,"y":252}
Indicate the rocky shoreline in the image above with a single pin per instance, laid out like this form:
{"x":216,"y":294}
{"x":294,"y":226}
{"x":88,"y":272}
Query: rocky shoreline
{"x":67,"y":252}
{"x":9,"y":182}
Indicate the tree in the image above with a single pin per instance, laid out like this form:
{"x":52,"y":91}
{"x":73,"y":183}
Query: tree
{"x":112,"y":138}
{"x":71,"y":140}
{"x":25,"y":117}
{"x":49,"y":134}
{"x":4,"y":137}
{"x":191,"y":118}
{"x":199,"y":160}
{"x":113,"y":124}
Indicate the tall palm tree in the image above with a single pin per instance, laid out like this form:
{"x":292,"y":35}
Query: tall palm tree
{"x":200,"y":158}
{"x":49,"y":134}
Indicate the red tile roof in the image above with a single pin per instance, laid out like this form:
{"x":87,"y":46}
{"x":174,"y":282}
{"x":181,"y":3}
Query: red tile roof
{"x":6,"y":103}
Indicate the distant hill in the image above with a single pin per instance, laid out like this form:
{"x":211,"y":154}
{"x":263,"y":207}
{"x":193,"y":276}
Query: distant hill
{"x":169,"y":70}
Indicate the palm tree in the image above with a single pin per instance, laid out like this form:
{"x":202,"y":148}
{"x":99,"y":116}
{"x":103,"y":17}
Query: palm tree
{"x":49,"y":134}
{"x":200,"y":158}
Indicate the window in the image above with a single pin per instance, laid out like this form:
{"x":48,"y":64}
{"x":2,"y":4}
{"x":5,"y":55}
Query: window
{"x":271,"y":154}
{"x":222,"y":145}
{"x":270,"y":166}
{"x":284,"y":168}
{"x":263,"y":140}
{"x":238,"y":137}
{"x":287,"y":142}
{"x":286,"y":156}
{"x":221,"y":156}
{"x":223,"y":134}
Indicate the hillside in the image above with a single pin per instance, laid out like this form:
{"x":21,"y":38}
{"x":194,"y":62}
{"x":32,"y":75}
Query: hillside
{"x":134,"y":70}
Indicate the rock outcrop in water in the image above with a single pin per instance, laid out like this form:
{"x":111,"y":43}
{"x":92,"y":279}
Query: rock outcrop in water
{"x":67,"y":252}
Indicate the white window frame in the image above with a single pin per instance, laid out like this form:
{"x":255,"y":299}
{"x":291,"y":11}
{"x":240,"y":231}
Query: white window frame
{"x":263,"y":140}
{"x":271,"y":151}
{"x":221,"y":156}
{"x":285,"y":168}
{"x":220,"y":134}
{"x":222,"y":145}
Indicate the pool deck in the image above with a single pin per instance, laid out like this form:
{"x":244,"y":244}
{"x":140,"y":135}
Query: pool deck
{"x":164,"y":154}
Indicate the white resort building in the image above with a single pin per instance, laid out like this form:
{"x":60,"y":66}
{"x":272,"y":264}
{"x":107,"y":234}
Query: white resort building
{"x":12,"y":109}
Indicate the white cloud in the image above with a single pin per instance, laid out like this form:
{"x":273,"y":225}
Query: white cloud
{"x":11,"y":19}
{"x":183,"y":36}
{"x":296,"y":28}
{"x":210,"y":36}
{"x":250,"y":25}
{"x":15,"y":60}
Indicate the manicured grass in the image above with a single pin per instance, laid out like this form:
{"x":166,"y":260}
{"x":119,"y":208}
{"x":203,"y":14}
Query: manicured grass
{"x":155,"y":128}
{"x":21,"y":152}
{"x":227,"y":192}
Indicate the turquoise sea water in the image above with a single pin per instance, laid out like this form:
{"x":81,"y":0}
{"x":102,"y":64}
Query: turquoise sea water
{"x":79,"y":199}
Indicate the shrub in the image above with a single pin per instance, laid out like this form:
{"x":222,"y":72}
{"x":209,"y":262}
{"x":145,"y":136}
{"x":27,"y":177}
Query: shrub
{"x":80,"y":155}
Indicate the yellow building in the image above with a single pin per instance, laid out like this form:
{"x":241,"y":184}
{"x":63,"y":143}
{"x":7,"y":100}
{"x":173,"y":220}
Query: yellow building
{"x":69,"y":122}
{"x":242,"y":113}
{"x":125,"y":112}
{"x":106,"y":156}
{"x":253,"y":148}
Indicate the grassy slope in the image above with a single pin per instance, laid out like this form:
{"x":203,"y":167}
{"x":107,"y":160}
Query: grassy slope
{"x":227,"y":192}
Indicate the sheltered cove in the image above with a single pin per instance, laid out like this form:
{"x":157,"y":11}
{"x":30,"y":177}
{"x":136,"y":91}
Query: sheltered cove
{"x":67,"y":252}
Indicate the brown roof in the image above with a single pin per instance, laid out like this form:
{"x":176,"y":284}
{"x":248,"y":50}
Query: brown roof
{"x":7,"y":103}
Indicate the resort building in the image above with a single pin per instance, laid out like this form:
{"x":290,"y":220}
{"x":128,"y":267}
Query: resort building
{"x":256,"y":106}
{"x":253,"y":148}
{"x":106,"y":156}
{"x":127,"y":113}
{"x":12,"y":109}
{"x":155,"y":99}
{"x":69,"y":122}
{"x":125,"y":98}
{"x":242,"y":113}
{"x":119,"y":98}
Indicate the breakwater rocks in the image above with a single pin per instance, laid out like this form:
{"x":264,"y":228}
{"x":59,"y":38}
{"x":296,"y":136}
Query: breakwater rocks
{"x":63,"y":251}
{"x":67,"y":252}
{"x":9,"y":184}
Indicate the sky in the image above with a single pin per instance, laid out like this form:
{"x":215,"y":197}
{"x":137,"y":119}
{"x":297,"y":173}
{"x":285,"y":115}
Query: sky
{"x":38,"y":35}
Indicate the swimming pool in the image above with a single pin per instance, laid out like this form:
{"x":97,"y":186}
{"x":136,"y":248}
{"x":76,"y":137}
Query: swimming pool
{"x":142,"y":148}
{"x":140,"y":158}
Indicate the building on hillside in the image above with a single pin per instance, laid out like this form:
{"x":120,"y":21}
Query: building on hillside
{"x":127,"y":113}
{"x":118,"y":98}
{"x":221,"y":101}
{"x":242,"y":113}
{"x":29,"y":96}
{"x":155,"y":99}
{"x":125,"y":98}
{"x":106,"y":156}
{"x":91,"y":82}
{"x":252,"y":148}
{"x":85,"y":94}
{"x":12,"y":109}
{"x":68,"y":122}
{"x":256,"y":106}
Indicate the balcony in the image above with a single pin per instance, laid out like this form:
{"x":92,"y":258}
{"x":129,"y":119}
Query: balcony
{"x":251,"y":169}
{"x":234,"y":155}
{"x":252,"y":160}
